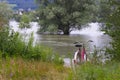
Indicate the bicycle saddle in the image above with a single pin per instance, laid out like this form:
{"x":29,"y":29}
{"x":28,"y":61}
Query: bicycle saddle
{"x":77,"y":44}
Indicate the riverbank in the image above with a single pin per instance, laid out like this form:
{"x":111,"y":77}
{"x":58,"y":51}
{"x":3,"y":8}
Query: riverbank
{"x":108,"y":71}
{"x":21,"y":69}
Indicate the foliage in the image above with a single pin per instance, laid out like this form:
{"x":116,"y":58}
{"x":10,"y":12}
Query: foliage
{"x":25,"y":16}
{"x":9,"y":42}
{"x":5,"y":13}
{"x":98,"y":56}
{"x":17,"y":17}
{"x":17,"y":68}
{"x":90,"y":71}
{"x":13,"y":44}
{"x":65,"y":14}
{"x":24,"y":21}
{"x":112,"y":28}
{"x":104,"y":10}
{"x":33,"y":16}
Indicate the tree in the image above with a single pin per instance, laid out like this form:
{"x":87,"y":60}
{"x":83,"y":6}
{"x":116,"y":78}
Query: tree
{"x":65,"y":15}
{"x":25,"y":21}
{"x":103,"y":11}
{"x":5,"y":33}
{"x":112,"y":28}
{"x":5,"y":13}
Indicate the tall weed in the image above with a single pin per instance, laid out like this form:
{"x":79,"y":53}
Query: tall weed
{"x":90,"y":71}
{"x":20,"y":69}
{"x":13,"y":44}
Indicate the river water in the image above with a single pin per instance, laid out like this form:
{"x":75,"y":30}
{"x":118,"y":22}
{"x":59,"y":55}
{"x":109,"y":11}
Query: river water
{"x":63,"y":44}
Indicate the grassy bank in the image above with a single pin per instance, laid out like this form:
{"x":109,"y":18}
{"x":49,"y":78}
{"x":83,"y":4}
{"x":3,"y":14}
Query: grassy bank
{"x":20,"y":69}
{"x":88,"y":71}
{"x":21,"y":60}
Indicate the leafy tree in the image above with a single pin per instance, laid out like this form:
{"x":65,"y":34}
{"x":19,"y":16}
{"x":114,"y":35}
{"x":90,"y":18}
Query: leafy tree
{"x":65,"y":15}
{"x":112,"y":28}
{"x":5,"y":13}
{"x":24,"y":21}
{"x":103,"y":11}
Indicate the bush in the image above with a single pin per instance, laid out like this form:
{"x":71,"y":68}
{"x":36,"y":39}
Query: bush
{"x":13,"y":44}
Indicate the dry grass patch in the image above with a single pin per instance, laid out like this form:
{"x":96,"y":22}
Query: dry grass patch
{"x":19,"y":69}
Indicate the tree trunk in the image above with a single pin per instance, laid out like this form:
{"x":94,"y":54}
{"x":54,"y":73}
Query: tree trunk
{"x":66,"y":30}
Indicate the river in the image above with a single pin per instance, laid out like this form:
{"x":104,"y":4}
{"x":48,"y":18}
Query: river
{"x":63,"y":44}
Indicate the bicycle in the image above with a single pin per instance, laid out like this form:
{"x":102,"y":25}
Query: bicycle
{"x":80,"y":55}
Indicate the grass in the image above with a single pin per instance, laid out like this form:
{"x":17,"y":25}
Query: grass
{"x":88,"y":71}
{"x":17,"y":68}
{"x":20,"y":69}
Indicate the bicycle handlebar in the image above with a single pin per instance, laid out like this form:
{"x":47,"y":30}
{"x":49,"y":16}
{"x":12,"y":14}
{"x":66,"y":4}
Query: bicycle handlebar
{"x":80,"y":44}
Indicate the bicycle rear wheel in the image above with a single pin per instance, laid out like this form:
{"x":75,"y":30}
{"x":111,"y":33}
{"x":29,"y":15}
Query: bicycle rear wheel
{"x":76,"y":59}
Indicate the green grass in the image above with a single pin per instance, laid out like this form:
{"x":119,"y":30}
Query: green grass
{"x":88,"y":71}
{"x":20,"y":69}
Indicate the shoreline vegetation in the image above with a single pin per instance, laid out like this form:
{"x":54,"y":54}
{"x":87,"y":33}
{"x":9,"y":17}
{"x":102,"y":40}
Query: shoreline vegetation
{"x":17,"y":68}
{"x":23,"y":60}
{"x":20,"y":60}
{"x":21,"y":69}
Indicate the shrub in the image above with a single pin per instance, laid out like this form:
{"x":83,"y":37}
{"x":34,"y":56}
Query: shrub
{"x":13,"y":44}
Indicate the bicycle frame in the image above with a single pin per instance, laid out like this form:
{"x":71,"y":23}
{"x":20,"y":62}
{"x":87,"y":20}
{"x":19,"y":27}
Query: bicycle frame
{"x":76,"y":58}
{"x":80,"y":55}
